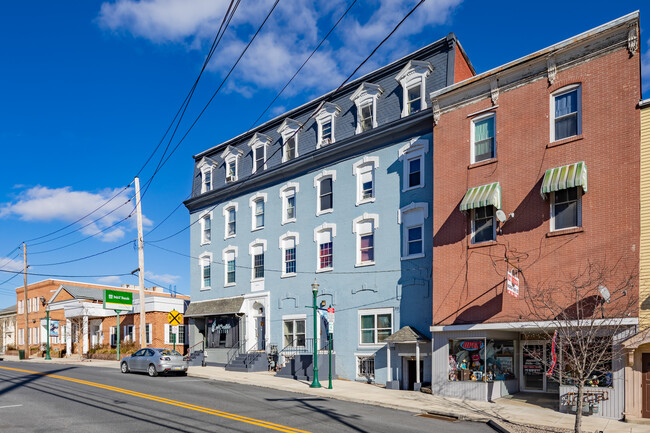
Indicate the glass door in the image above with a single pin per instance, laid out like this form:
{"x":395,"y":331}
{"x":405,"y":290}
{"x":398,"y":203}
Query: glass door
{"x":533,"y":354}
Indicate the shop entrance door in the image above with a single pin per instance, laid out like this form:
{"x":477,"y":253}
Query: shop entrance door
{"x":533,"y":377}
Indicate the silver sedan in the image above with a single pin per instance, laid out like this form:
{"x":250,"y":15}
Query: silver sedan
{"x":154,"y":361}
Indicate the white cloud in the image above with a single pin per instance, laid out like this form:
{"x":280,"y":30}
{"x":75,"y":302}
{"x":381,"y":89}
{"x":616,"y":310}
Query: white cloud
{"x":161,"y":278}
{"x":43,"y":204}
{"x":7,"y":264}
{"x":113,"y":280}
{"x":287,"y":39}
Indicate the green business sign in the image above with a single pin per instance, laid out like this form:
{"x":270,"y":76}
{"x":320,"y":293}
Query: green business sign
{"x":117,"y":300}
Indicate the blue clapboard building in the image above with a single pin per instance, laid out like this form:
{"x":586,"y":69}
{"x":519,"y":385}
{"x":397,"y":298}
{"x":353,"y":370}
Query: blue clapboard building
{"x":338,"y":193}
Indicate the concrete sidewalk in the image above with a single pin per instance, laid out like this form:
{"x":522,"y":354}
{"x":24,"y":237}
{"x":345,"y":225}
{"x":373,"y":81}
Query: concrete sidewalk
{"x":505,"y":411}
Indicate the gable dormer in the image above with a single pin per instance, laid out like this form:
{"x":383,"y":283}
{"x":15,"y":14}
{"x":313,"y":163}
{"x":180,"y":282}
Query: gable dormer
{"x":412,"y":78}
{"x":258,"y":144}
{"x":289,"y":132}
{"x":365,"y":98}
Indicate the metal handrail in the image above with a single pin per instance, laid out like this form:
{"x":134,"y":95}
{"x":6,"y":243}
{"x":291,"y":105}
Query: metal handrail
{"x":293,"y":349}
{"x":191,"y":349}
{"x":235,"y":351}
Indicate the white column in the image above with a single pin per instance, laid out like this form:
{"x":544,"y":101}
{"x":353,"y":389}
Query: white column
{"x":85,"y":334}
{"x":390,"y":371}
{"x":417,"y":362}
{"x":4,"y":335}
{"x":68,"y":337}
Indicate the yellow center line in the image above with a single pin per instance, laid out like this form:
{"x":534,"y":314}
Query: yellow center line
{"x":219,"y":413}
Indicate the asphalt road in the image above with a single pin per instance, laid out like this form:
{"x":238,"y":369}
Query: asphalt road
{"x":74,"y":398}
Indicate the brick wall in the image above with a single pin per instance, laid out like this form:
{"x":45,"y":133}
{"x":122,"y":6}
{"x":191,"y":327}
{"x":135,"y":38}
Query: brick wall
{"x":468,"y":282}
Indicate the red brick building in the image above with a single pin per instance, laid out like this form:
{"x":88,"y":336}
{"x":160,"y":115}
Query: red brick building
{"x":552,"y":138}
{"x":79,"y":321}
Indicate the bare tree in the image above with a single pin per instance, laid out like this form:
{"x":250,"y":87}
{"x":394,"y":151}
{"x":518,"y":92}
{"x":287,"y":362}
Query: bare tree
{"x":585,"y":316}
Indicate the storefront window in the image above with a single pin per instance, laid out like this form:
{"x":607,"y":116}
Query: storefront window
{"x":601,"y":377}
{"x":222,"y":331}
{"x":481,"y":360}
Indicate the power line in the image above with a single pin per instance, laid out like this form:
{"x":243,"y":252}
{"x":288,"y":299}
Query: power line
{"x":220,"y":86}
{"x":181,"y":109}
{"x":85,"y":216}
{"x":243,"y":182}
{"x":85,"y":257}
{"x":303,"y":64}
{"x":267,"y":269}
{"x":65,"y":276}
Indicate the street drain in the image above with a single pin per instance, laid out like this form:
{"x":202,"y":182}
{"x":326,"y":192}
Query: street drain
{"x":438,"y":417}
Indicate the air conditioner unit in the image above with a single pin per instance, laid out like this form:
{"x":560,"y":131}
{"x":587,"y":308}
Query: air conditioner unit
{"x":327,"y":141}
{"x":229,"y":178}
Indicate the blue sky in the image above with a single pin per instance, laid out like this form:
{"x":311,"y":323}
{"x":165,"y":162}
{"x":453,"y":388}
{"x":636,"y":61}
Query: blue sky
{"x":89,"y":88}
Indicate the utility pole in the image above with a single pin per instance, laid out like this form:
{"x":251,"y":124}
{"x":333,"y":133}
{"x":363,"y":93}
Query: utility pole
{"x":143,"y":339}
{"x":25,"y":334}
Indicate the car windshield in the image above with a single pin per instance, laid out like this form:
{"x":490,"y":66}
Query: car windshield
{"x":170,"y":353}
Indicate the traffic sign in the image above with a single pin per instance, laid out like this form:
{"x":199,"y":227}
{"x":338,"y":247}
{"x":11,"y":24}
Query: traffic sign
{"x":330,"y":327}
{"x":175,"y":318}
{"x":175,"y":329}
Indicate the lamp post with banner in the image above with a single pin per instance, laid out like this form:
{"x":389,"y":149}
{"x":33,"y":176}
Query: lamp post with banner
{"x":314,"y":290}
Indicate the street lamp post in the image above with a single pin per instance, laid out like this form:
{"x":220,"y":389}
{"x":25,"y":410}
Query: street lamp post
{"x":47,"y":325}
{"x":314,"y":290}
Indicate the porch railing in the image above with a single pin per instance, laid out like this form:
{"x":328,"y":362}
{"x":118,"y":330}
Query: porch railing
{"x":303,"y":346}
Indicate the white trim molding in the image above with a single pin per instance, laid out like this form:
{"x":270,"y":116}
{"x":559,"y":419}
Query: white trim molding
{"x":229,"y":155}
{"x":206,"y":165}
{"x":325,"y":174}
{"x":259,"y":141}
{"x":251,"y":203}
{"x":290,"y":189}
{"x":288,"y":130}
{"x":412,"y":216}
{"x":366,"y":93}
{"x":414,"y":74}
{"x":549,"y":324}
{"x":323,"y":227}
{"x":202,"y":218}
{"x":415,"y":149}
{"x":287,"y":235}
{"x":255,"y":243}
{"x":367,"y":164}
{"x":327,"y":113}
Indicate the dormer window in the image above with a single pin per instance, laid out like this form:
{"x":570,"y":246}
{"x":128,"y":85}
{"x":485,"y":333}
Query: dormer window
{"x":258,"y":145}
{"x":325,"y":120}
{"x":231,"y":161}
{"x":413,"y":81}
{"x":365,"y":98}
{"x":206,"y":166}
{"x":289,"y":132}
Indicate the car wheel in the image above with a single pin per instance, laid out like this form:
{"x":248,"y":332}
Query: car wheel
{"x":152,"y":370}
{"x":124,"y":368}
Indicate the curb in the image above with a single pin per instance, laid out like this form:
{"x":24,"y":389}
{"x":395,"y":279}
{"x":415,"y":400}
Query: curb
{"x":497,"y":427}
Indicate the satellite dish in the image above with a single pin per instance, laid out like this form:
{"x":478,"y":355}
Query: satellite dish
{"x":604,"y":292}
{"x":501,"y":215}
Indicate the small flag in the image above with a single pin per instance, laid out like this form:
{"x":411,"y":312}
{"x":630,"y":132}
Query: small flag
{"x":554,"y":360}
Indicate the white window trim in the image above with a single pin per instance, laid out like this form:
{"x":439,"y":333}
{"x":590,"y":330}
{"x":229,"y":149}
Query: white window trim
{"x":251,"y":204}
{"x":202,"y":223}
{"x":414,"y":74}
{"x":552,"y":212}
{"x":150,"y":339}
{"x":317,"y":179}
{"x":293,"y":318}
{"x":375,"y":312}
{"x":473,"y":228}
{"x":560,"y":92}
{"x":289,"y":189}
{"x":472,"y":132}
{"x":224,"y":254}
{"x":203,"y":258}
{"x":207,"y":165}
{"x":259,"y":141}
{"x":284,"y":237}
{"x":356,"y":171}
{"x":366,"y":93}
{"x":327,"y":113}
{"x":331,"y":227}
{"x":401,"y":217}
{"x":416,"y":148}
{"x":168,"y":331}
{"x":289,"y":129}
{"x":355,"y":230}
{"x":255,"y":243}
{"x":225,"y":210}
{"x":229,"y":155}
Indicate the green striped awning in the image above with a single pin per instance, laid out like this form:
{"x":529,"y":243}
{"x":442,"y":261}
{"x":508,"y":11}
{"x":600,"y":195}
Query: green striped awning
{"x":565,"y":177}
{"x":484,"y":195}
